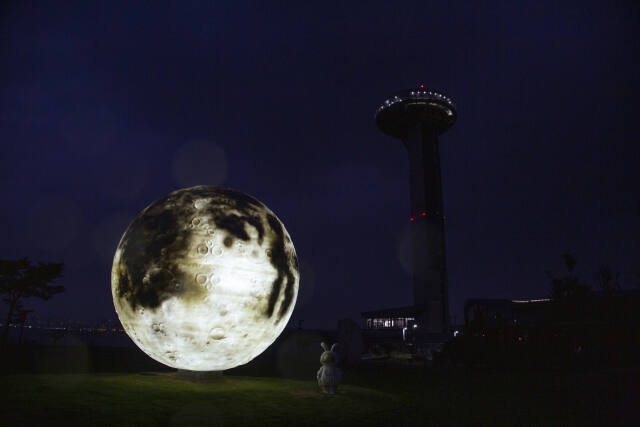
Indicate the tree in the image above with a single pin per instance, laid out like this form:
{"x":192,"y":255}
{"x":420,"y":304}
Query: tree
{"x":607,"y":281}
{"x":20,"y":317}
{"x":569,"y":286}
{"x":21,"y":279}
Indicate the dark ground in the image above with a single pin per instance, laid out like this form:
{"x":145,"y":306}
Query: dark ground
{"x":106,"y":386}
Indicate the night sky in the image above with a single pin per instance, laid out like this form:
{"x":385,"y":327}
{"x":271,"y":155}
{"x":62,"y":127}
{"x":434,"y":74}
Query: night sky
{"x":107,"y":106}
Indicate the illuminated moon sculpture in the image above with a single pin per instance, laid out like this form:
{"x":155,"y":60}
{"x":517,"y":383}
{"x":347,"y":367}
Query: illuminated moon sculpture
{"x":205,"y":279}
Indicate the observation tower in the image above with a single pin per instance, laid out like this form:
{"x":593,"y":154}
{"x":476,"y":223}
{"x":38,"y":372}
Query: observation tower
{"x":418,"y":117}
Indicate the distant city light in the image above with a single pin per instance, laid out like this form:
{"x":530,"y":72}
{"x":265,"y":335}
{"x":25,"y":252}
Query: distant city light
{"x":530,"y":300}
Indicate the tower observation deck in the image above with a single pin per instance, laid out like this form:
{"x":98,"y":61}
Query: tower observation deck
{"x":418,"y":117}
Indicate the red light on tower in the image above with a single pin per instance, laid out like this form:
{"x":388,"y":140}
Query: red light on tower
{"x":412,"y":219}
{"x":423,"y":214}
{"x":421,"y":86}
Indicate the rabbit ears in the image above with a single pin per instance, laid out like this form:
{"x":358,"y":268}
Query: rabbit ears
{"x":325,"y":347}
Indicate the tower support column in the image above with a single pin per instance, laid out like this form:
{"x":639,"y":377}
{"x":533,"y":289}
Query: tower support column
{"x":418,"y":117}
{"x":427,"y":230}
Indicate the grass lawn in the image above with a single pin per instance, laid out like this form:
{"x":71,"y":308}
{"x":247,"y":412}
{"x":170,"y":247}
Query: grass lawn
{"x":385,"y":395}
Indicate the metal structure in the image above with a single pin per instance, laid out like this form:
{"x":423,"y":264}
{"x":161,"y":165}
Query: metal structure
{"x":418,"y":117}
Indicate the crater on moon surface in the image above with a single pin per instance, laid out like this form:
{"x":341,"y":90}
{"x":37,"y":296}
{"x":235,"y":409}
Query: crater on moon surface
{"x":192,"y":252}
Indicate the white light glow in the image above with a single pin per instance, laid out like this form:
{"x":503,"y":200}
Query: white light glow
{"x":214,"y":314}
{"x":523,"y":301}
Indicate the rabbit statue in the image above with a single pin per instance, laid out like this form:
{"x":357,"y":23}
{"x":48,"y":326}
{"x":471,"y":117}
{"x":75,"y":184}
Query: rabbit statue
{"x":329,"y":374}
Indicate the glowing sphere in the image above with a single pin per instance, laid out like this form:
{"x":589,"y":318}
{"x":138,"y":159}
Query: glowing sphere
{"x":205,"y":279}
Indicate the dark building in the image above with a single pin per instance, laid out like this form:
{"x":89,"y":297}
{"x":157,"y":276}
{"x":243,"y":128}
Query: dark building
{"x":595,"y":329}
{"x":418,"y":117}
{"x":395,"y":325}
{"x":504,"y":313}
